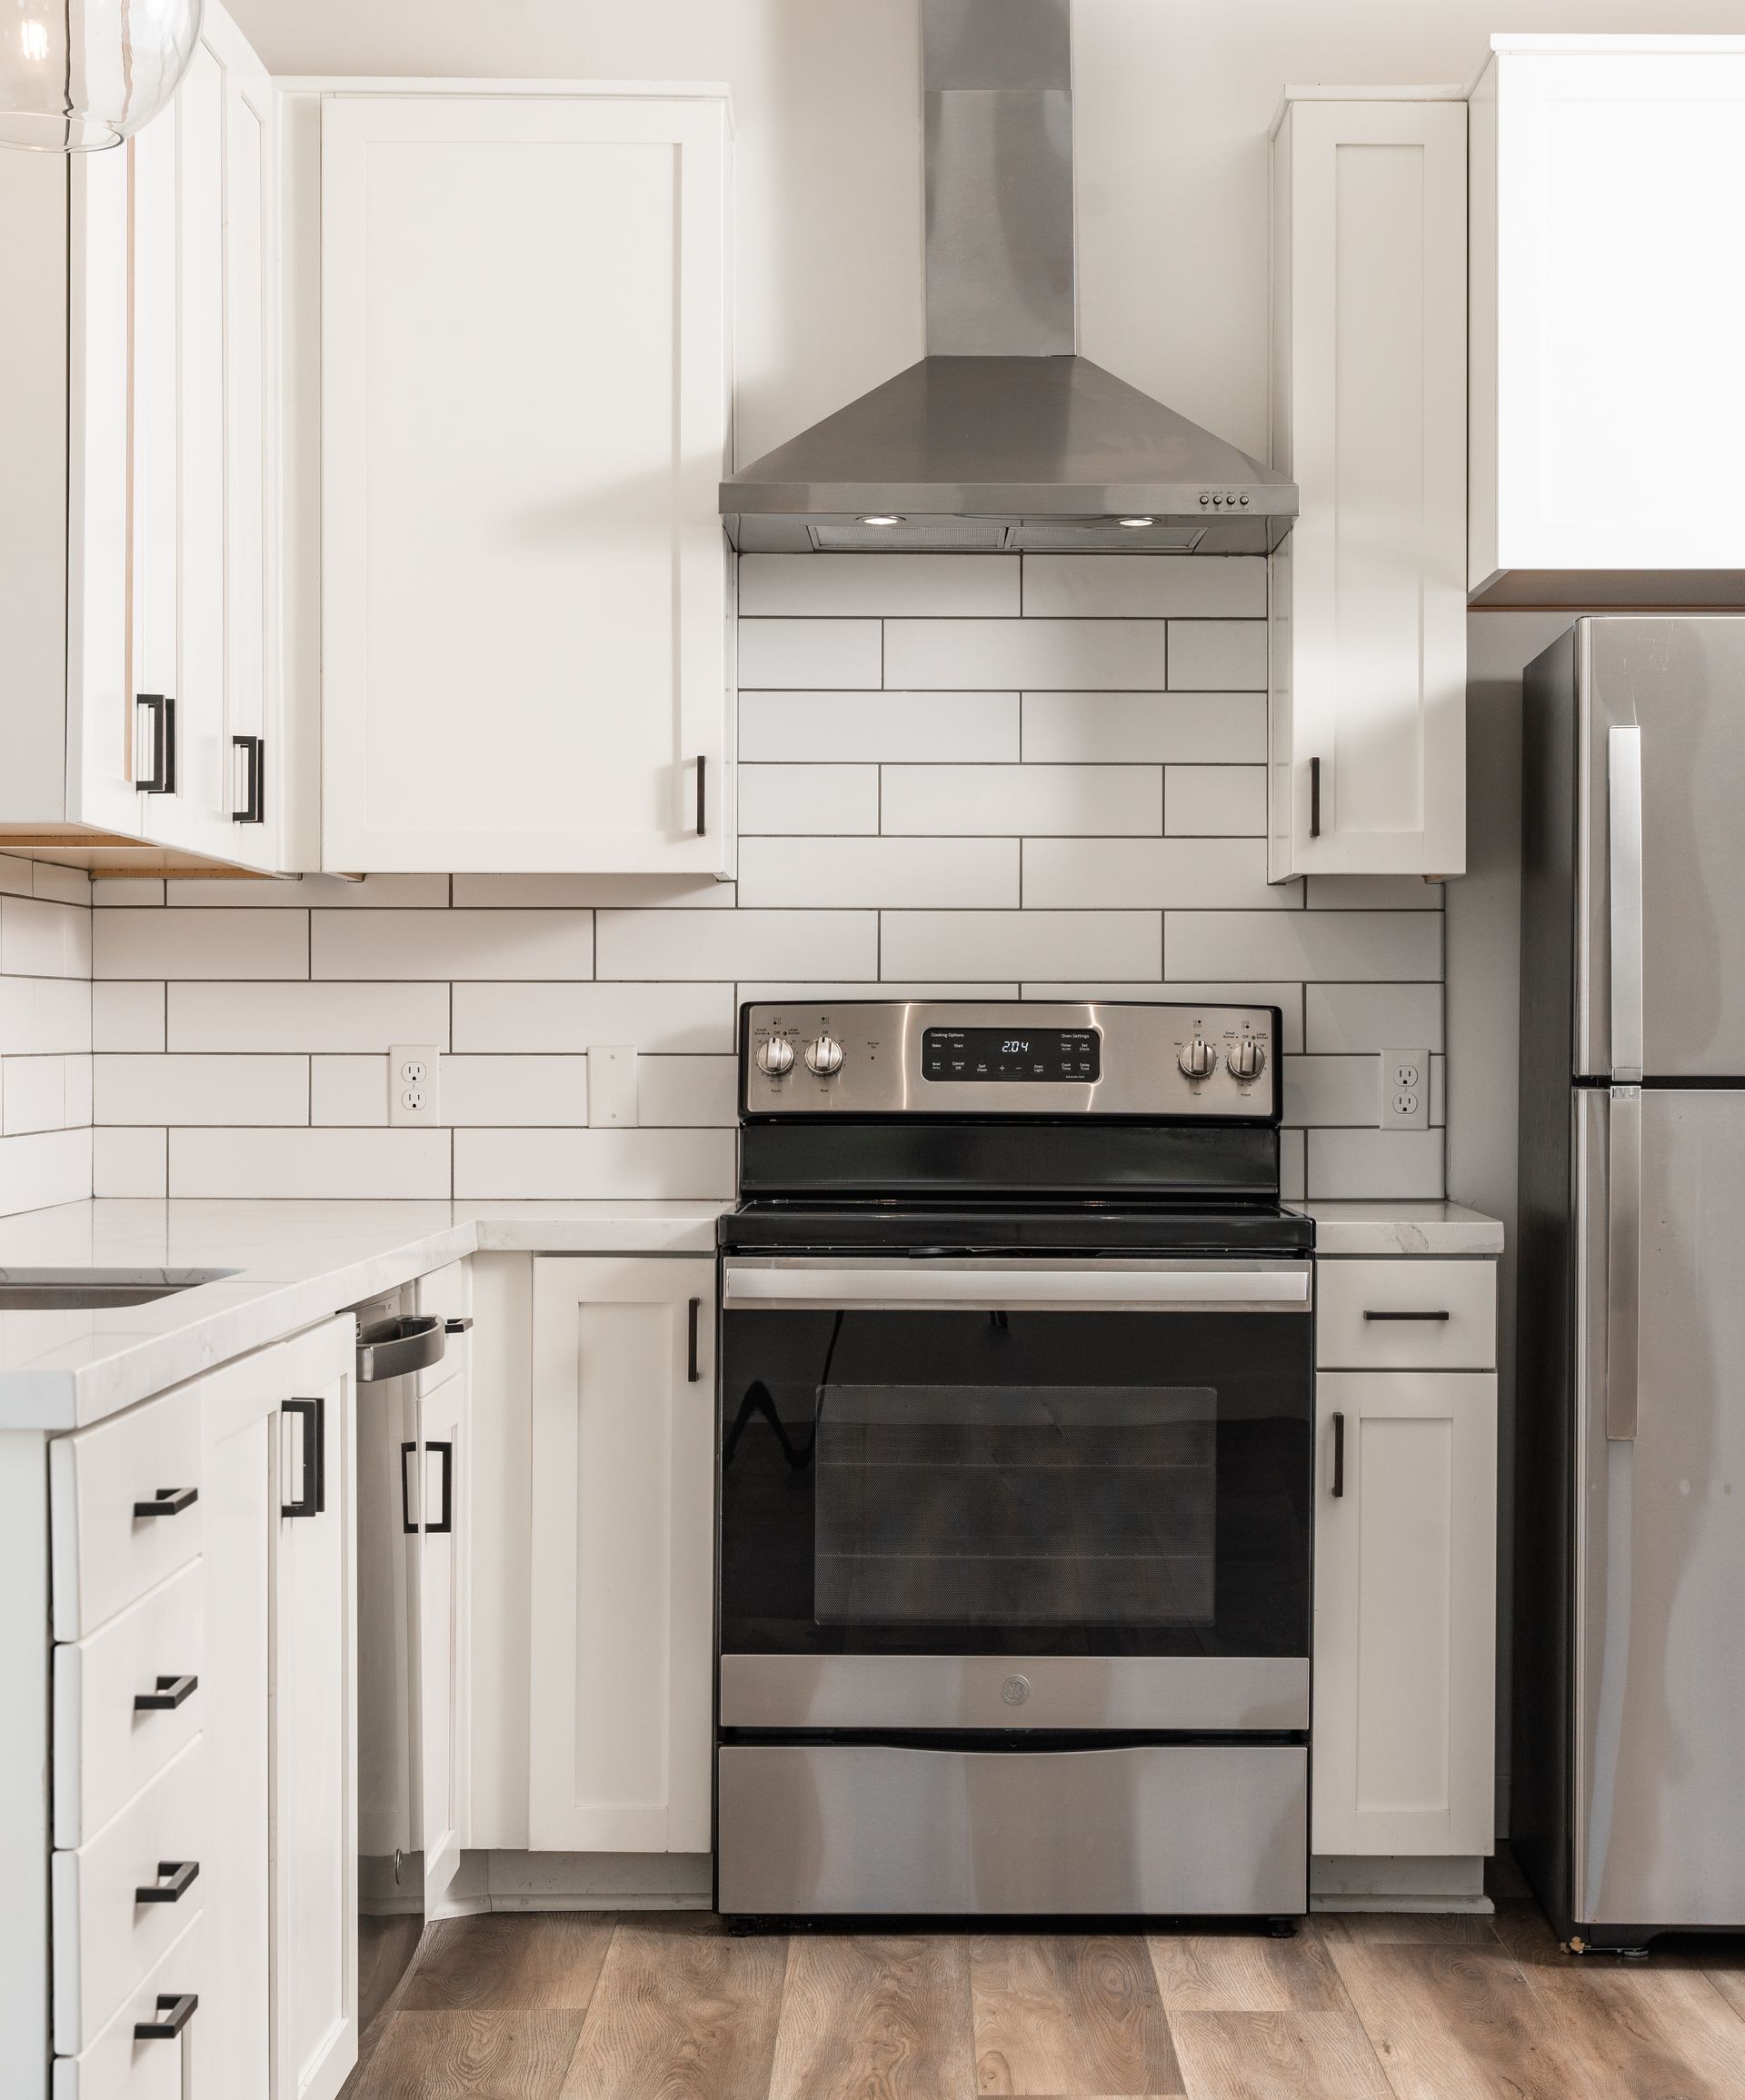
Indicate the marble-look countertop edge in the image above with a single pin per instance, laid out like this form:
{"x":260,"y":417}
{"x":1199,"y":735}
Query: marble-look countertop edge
{"x":1405,"y":1227}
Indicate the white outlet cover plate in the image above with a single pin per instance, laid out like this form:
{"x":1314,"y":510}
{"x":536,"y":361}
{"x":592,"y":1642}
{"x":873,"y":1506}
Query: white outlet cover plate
{"x":612,"y":1086}
{"x":414,"y":1085}
{"x":1405,"y":1078}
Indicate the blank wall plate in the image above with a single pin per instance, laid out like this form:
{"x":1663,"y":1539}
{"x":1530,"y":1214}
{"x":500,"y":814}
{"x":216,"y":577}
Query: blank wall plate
{"x":414,"y":1085}
{"x":1405,"y":1089}
{"x":612,"y":1086}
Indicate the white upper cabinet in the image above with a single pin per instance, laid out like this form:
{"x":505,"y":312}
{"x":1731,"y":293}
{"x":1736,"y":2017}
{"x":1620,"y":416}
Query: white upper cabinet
{"x":1608,"y":200}
{"x":1368,"y":756}
{"x":525,"y":587}
{"x":137,"y":447}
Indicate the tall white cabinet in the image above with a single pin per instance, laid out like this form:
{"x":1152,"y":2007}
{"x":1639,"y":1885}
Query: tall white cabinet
{"x":1367,"y":752}
{"x":525,"y":586}
{"x":1608,"y":201}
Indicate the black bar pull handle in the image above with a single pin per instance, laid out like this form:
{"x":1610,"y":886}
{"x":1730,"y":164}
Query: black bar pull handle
{"x":407,"y":1451}
{"x":173,"y":2015}
{"x":168,"y":1502}
{"x":153,"y":743}
{"x":1339,"y":1454}
{"x":457,"y":1326}
{"x":692,"y":1371}
{"x":250,"y":790}
{"x":1314,"y":798}
{"x":1406,"y":1316}
{"x":170,"y":1693}
{"x":313,"y":1500}
{"x":702,"y":796}
{"x":445,"y":1452}
{"x":174,"y":1878}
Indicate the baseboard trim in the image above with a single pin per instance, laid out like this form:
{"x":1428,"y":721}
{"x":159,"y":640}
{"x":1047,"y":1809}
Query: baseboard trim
{"x":533,"y":1881}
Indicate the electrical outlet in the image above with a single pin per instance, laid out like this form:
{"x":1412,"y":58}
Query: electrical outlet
{"x":414,"y":1090}
{"x":1405,"y":1089}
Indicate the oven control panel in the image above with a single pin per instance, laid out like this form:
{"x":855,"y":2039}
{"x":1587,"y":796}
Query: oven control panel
{"x":1010,"y":1058}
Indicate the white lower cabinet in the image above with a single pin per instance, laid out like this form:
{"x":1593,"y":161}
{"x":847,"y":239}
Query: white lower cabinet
{"x":623,"y":1452}
{"x":1405,"y":1612}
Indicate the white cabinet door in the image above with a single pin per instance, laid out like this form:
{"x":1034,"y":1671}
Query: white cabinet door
{"x":525,"y":360}
{"x":1607,"y":307}
{"x":315,"y":1743}
{"x":623,"y":1531}
{"x":1405,"y":1609}
{"x":1368,"y":772}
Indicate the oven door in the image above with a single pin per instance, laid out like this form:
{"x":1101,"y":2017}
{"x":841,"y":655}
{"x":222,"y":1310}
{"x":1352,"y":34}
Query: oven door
{"x":964,"y":1493}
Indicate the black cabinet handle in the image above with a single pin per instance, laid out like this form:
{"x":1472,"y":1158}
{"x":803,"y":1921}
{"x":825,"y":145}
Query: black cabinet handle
{"x":313,"y":1498}
{"x":155,"y":728}
{"x":445,"y":1452}
{"x":167,"y":1502}
{"x":703,"y":797}
{"x":457,"y":1326}
{"x":251,"y":804}
{"x":1314,"y":798}
{"x":1406,"y":1316}
{"x":693,"y":1372}
{"x":1339,"y":1454}
{"x":173,"y":2015}
{"x":174,"y":1878}
{"x":406,"y":1451}
{"x":170,"y":1692}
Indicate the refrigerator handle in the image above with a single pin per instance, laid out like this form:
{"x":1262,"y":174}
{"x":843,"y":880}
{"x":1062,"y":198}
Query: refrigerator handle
{"x":1623,"y":1260}
{"x":1624,"y":783}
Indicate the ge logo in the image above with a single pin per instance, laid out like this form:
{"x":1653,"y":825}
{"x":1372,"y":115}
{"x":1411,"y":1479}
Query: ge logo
{"x":1015,"y":1691}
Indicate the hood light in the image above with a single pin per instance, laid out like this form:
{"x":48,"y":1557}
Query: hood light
{"x":1135,"y":524}
{"x":880,"y":518}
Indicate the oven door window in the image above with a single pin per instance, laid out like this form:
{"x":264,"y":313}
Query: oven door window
{"x":1020,"y":1482}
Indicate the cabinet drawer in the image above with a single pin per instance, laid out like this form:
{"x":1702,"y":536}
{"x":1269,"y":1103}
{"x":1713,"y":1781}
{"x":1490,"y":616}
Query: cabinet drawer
{"x":105,"y":1939}
{"x":117,"y":2066}
{"x":105,"y":1746}
{"x":1407,"y":1314}
{"x":103,"y":1553}
{"x":447,"y":1292}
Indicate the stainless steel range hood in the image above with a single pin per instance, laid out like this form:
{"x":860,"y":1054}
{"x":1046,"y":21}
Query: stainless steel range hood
{"x":1003,"y":438}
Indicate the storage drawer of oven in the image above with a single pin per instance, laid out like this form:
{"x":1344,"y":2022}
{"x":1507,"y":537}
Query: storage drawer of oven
{"x":791,"y":1282}
{"x":1161,"y":1694}
{"x":1146,"y":1830}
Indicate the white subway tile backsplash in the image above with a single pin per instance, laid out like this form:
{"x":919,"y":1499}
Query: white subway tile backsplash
{"x":43,"y":1167}
{"x":373,"y":893}
{"x":879,"y":871}
{"x":352,"y":1090}
{"x":1218,"y":656}
{"x":1022,"y":800}
{"x":1373,"y":893}
{"x":660,"y":1018}
{"x":78,"y":1090}
{"x":1120,"y":655}
{"x":139,"y":890}
{"x":65,"y":885}
{"x":1372,"y":1016}
{"x":1117,"y":945}
{"x":1146,"y":586}
{"x":32,"y":1095}
{"x":954,"y":728}
{"x":187,"y":945}
{"x":1377,"y":946}
{"x":1332,"y":1092}
{"x":305,"y":1016}
{"x":1215,"y":802}
{"x":728,"y":945}
{"x":1292,"y":1170}
{"x":126,"y":1016}
{"x":827,"y":800}
{"x":1375,"y":1163}
{"x":214,"y":1162}
{"x":1084,"y":874}
{"x":687,"y":1094}
{"x":198,"y":1089}
{"x":582,"y":892}
{"x":979,"y":586}
{"x":44,"y":1016}
{"x":516,"y":1092}
{"x":42,"y":938}
{"x":809,"y":652}
{"x":15,"y":876}
{"x":130,"y":1162}
{"x":1182,"y":728}
{"x":815,"y":994}
{"x":451,"y":944}
{"x":540,"y":1165}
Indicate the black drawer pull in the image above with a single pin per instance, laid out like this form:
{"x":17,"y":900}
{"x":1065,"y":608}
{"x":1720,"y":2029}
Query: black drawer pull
{"x":445,"y":1452}
{"x":1406,"y":1316}
{"x":1339,"y":1454}
{"x":167,"y":1502}
{"x":250,"y":792}
{"x":1314,"y":798}
{"x":703,"y":798}
{"x":170,"y":1692}
{"x":173,"y":2015}
{"x":692,"y":1371}
{"x":174,"y":1878}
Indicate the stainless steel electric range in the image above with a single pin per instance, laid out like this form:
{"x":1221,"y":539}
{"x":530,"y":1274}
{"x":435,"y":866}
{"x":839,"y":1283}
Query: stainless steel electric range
{"x":1015,"y":1473}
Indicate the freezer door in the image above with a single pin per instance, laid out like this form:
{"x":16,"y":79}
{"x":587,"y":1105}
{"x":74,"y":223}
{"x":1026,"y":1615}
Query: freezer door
{"x":1681,"y":683}
{"x":1659,"y":1631}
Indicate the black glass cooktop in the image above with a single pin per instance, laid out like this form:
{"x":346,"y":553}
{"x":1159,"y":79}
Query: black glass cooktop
{"x":1084,"y":1226}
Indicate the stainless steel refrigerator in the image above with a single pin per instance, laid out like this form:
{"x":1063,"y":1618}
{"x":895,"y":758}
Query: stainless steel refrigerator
{"x":1628,"y":1807}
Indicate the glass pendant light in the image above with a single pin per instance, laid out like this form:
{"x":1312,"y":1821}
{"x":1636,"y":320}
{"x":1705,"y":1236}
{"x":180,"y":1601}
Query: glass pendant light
{"x":76,"y":76}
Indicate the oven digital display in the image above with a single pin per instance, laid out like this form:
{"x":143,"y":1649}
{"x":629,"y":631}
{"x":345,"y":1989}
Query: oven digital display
{"x":981,"y":1054}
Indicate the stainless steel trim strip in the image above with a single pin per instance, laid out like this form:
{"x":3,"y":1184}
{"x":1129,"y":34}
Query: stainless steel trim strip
{"x":1132,"y":1692}
{"x":881,"y":1283}
{"x":1624,"y":776}
{"x":1623,"y":1259}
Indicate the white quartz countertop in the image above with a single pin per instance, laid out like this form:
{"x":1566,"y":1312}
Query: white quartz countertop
{"x":293,"y":1264}
{"x":1401,"y":1227}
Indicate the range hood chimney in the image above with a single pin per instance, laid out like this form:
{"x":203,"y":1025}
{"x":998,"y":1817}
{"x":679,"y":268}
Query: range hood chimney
{"x":1003,"y":438}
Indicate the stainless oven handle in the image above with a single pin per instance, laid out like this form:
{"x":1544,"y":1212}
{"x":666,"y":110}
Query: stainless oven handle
{"x":894,"y":1286}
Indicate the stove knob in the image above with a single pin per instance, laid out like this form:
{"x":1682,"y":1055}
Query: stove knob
{"x":1198,"y":1058}
{"x":775,"y":1057}
{"x":1247,"y":1058}
{"x":824,"y":1056}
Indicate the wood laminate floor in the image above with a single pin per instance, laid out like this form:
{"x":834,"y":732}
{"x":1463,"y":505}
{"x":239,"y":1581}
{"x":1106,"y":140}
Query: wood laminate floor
{"x":644,"y":2007}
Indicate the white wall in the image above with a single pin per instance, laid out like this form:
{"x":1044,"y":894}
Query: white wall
{"x":1173,"y":97}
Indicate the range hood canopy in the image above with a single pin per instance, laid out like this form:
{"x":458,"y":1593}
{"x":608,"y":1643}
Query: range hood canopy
{"x":1003,"y":438}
